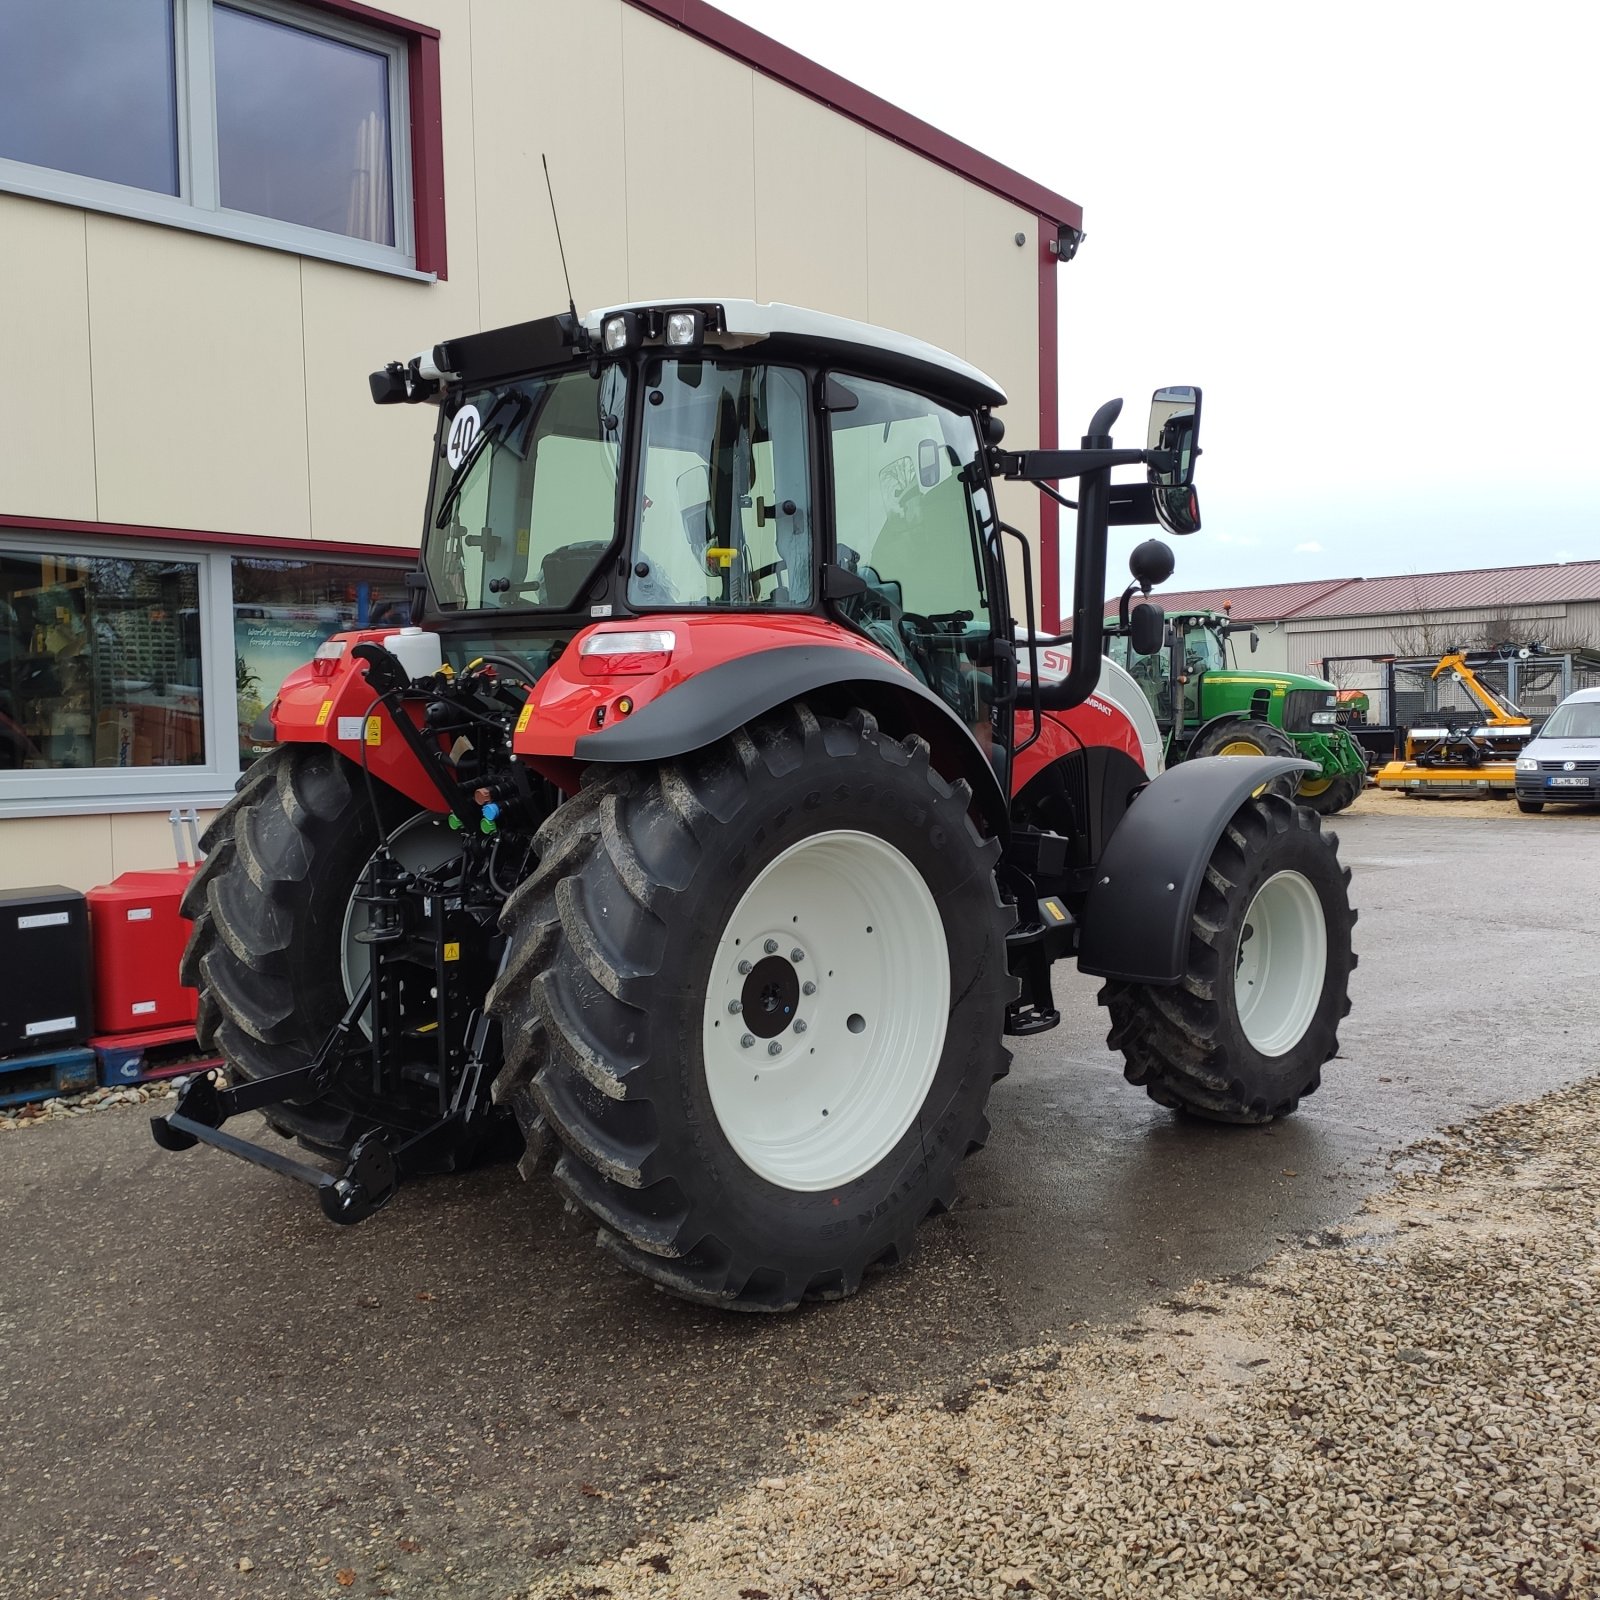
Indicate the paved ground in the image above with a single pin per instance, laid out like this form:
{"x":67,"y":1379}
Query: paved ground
{"x":198,"y":1371}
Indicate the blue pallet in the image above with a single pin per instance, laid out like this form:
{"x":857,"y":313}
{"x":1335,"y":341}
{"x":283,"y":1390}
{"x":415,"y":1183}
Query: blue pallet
{"x":46,"y":1076}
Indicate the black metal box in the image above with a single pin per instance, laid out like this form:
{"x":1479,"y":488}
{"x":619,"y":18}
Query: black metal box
{"x":44,"y":969}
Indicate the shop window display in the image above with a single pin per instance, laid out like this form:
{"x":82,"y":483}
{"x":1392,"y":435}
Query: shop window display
{"x":282,"y":610}
{"x":99,"y":662}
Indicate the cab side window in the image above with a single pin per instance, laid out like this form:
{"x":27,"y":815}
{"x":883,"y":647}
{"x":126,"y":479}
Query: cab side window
{"x":905,"y":523}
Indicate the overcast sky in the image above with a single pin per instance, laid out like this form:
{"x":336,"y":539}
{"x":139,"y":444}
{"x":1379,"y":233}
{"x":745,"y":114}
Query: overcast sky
{"x":1368,"y":231}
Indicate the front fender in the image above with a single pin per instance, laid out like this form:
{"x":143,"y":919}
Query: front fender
{"x":1136,"y":916}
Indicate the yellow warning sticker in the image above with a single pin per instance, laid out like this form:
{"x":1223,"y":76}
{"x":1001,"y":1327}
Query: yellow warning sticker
{"x":374,"y":730}
{"x":322,"y":712}
{"x":526,"y":717}
{"x":1055,"y":908}
{"x":452,"y":952}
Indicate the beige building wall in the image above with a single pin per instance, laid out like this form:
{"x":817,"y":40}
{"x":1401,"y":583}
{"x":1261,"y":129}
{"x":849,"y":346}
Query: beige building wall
{"x":198,"y":383}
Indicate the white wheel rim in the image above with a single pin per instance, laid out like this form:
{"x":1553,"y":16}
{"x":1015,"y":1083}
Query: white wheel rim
{"x":418,"y":844}
{"x":814,"y":1089}
{"x":1283,"y":957}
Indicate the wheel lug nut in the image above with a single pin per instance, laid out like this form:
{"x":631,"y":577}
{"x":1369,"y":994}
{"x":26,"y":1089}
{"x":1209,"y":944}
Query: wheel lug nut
{"x":771,"y":947}
{"x":808,"y":988}
{"x":744,"y":968}
{"x":797,"y":954}
{"x":734,"y":1008}
{"x":748,"y":1040}
{"x":774,"y":1048}
{"x":800,"y":1025}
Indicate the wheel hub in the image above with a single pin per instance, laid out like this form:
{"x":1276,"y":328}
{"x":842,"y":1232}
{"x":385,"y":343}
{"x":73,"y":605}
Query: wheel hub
{"x":770,"y":998}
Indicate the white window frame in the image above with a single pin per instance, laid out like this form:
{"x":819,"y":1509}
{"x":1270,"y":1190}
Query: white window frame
{"x":197,"y":206}
{"x":98,"y":791}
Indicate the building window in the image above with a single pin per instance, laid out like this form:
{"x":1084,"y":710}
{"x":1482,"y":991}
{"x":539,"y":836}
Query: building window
{"x":273,"y":121}
{"x":99,"y":663}
{"x":134,"y":676}
{"x":92,"y":88}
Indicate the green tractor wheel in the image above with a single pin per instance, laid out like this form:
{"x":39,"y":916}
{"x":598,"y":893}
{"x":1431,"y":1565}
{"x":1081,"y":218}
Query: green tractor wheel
{"x":1242,"y":736}
{"x":1326,"y":794}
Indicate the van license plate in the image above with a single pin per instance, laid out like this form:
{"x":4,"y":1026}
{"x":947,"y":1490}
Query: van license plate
{"x":1569,"y":783}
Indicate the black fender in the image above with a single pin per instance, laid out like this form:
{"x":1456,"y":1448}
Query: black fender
{"x":1136,"y":916}
{"x":711,"y":704}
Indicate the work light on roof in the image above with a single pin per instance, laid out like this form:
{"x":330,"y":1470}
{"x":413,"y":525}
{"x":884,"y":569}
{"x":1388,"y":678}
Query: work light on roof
{"x":685,"y":327}
{"x":621,"y":332}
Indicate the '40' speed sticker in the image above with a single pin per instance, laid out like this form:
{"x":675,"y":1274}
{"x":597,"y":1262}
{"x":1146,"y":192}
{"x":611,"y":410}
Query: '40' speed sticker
{"x":463,"y":431}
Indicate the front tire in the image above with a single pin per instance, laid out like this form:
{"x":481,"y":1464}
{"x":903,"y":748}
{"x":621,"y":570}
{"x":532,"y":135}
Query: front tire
{"x":1530,"y":806}
{"x":1331,"y":795}
{"x":1242,"y":1037}
{"x":679,"y":911}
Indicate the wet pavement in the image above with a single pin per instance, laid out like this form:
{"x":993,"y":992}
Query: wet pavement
{"x":206,"y":1389}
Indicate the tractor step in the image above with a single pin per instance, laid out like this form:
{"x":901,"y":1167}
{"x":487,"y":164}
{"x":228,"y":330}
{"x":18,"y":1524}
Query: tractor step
{"x":1031,"y":948}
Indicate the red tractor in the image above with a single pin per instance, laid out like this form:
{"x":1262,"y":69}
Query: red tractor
{"x":717,"y":820}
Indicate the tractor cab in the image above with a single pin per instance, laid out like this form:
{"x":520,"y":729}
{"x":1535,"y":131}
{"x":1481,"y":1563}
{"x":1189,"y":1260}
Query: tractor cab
{"x":1195,"y":643}
{"x":718,"y":458}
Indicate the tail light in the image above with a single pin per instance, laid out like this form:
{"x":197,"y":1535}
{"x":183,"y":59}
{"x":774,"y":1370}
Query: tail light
{"x":617,"y":655}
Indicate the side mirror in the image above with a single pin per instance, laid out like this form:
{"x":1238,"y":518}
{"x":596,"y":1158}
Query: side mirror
{"x":1255,"y":641}
{"x":1151,"y":563}
{"x":1147,"y":628}
{"x":1175,"y":430}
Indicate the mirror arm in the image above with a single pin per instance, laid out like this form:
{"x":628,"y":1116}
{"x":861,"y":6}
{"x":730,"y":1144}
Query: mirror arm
{"x":1038,"y":465}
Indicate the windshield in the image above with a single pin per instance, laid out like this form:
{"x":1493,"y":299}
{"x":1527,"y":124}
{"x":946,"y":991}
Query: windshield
{"x":524,"y":501}
{"x":1577,"y":719}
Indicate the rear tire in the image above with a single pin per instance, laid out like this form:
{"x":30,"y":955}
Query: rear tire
{"x":268,"y":905}
{"x":624,"y":1006}
{"x":1242,"y":1037}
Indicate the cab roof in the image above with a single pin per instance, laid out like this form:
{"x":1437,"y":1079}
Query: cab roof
{"x":788,"y":332}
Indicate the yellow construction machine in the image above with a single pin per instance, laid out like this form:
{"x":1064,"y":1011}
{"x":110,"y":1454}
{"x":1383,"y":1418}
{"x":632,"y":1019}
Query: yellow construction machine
{"x":1462,"y":751}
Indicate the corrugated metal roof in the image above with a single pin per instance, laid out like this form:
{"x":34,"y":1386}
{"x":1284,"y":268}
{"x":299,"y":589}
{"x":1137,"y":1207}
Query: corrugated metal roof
{"x":1474,"y":589}
{"x":1266,"y":602}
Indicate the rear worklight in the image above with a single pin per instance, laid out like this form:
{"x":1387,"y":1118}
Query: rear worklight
{"x":615,"y":655}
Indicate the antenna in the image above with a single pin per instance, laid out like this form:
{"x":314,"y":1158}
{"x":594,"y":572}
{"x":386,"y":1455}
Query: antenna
{"x":571,"y":303}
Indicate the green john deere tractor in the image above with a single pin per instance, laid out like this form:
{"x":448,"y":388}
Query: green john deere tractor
{"x":1205,"y":707}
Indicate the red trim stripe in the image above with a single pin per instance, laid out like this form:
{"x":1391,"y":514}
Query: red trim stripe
{"x":342,"y":549}
{"x":427,"y":155}
{"x":744,"y":43}
{"x":379,"y":19}
{"x":1049,"y":430}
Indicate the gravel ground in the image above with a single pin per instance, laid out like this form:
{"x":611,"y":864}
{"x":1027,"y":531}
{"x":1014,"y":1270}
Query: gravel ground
{"x":41,"y":1113}
{"x":1408,"y":1405}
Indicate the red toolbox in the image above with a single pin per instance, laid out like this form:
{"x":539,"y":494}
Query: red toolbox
{"x":138,"y":939}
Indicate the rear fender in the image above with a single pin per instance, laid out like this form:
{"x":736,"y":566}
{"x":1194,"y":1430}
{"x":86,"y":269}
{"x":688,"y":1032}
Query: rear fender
{"x":724,"y":672}
{"x":1136,"y":917}
{"x":330,"y":702}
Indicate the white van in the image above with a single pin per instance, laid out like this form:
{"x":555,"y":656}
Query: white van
{"x":1563,"y":762}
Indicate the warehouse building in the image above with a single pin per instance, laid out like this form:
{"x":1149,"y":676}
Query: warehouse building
{"x":218,"y":216}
